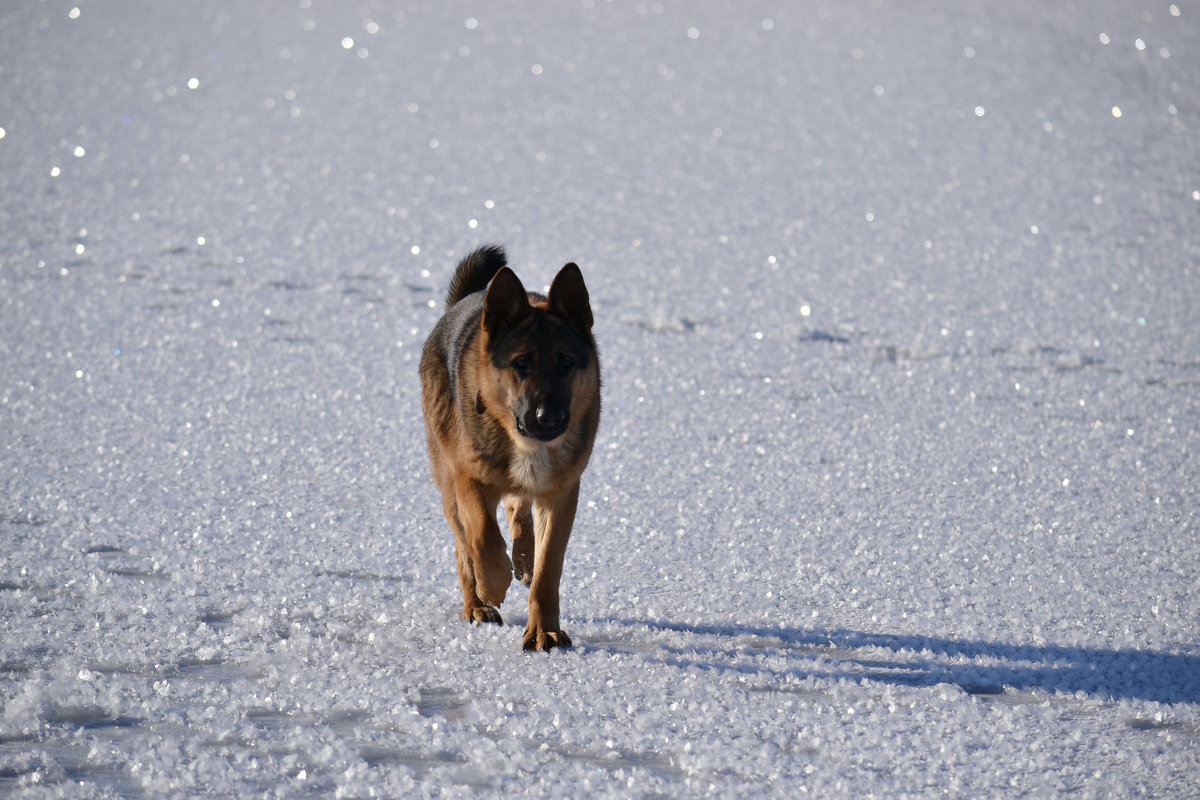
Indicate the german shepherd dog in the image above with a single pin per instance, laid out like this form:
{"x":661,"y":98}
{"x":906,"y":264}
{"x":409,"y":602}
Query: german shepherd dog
{"x":510,"y":388}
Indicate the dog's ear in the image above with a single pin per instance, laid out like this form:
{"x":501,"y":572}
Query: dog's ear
{"x":505,"y":305}
{"x":569,"y":297}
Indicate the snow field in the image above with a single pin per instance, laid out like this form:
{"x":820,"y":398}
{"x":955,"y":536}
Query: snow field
{"x":895,"y":488}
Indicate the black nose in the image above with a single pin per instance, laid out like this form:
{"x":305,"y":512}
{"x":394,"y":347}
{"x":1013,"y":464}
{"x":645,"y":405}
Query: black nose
{"x":551,"y":417}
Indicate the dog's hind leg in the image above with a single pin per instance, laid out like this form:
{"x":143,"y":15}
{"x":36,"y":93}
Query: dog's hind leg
{"x":519,"y":511}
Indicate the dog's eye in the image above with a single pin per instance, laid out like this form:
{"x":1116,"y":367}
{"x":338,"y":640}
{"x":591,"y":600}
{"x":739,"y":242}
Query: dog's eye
{"x":565,"y":364}
{"x":522,"y":364}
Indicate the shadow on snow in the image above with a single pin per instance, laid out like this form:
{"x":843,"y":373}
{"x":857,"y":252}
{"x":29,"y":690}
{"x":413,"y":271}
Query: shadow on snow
{"x":978,"y":667}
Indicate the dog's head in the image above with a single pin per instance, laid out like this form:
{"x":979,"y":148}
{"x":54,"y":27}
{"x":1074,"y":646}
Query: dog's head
{"x":540,"y":353}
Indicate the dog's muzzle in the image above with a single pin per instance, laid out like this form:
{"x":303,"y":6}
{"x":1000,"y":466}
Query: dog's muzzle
{"x":547,"y":423}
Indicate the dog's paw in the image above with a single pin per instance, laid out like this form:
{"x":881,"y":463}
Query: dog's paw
{"x":538,"y":639}
{"x":482,"y":614}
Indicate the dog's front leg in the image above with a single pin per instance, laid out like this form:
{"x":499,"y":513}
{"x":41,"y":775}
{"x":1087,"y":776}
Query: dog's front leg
{"x":492,"y":567}
{"x":553,"y":517}
{"x":474,"y":608}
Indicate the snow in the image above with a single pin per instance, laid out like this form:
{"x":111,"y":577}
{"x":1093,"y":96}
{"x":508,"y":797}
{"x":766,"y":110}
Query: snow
{"x":895,"y":494}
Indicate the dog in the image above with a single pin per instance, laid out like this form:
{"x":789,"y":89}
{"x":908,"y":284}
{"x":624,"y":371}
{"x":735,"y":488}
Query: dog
{"x":510,"y":390}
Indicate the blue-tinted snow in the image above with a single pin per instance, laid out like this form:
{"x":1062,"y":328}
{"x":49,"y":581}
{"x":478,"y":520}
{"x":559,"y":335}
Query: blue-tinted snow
{"x":896,"y":490}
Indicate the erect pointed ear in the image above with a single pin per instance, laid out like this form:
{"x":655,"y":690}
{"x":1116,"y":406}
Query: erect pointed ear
{"x":505,"y":305}
{"x":569,"y":297}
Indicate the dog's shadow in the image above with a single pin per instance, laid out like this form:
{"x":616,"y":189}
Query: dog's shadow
{"x":981,"y":668}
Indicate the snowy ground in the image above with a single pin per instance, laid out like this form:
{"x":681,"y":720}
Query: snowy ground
{"x":896,"y":489}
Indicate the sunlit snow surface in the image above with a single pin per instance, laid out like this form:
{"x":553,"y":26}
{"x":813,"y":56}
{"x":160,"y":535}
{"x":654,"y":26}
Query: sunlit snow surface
{"x":896,"y":489}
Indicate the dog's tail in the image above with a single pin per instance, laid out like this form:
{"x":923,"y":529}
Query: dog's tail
{"x":475,"y":272}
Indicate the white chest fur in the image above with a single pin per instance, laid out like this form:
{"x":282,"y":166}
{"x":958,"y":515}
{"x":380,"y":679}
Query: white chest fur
{"x":533,"y":468}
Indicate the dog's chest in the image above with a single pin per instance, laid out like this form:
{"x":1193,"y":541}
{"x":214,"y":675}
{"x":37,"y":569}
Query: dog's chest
{"x":532,"y":469}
